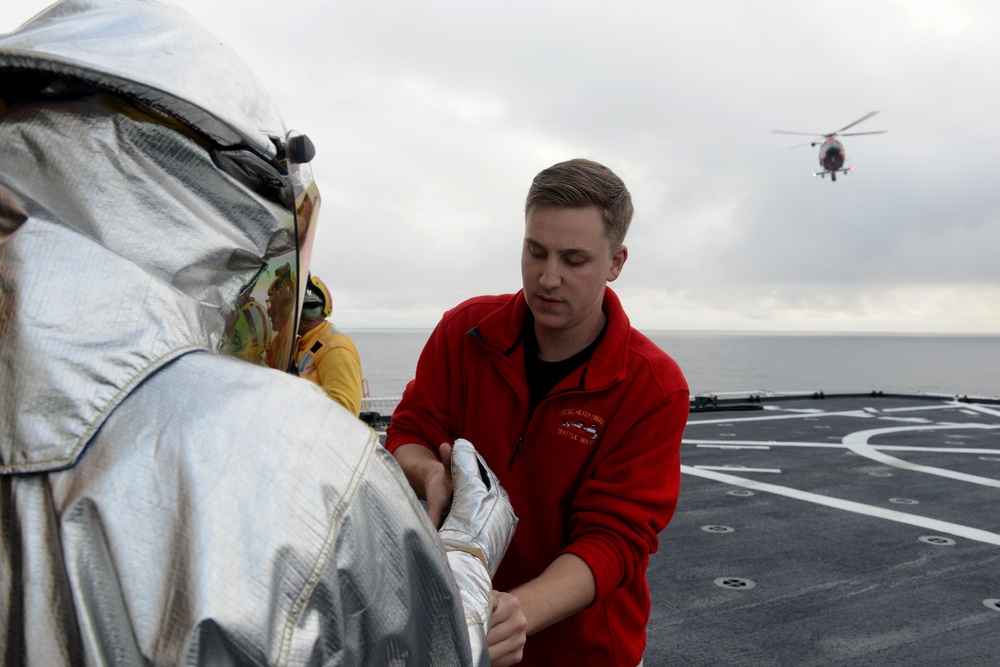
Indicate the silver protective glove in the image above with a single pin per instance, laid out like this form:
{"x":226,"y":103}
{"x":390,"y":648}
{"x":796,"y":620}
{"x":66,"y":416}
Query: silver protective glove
{"x":476,"y":534}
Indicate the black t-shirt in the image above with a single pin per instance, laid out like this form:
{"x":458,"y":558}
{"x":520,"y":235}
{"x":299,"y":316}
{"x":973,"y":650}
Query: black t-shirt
{"x":544,"y":375}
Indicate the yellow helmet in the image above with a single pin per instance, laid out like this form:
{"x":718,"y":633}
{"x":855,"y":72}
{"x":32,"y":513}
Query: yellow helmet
{"x":317,"y":304}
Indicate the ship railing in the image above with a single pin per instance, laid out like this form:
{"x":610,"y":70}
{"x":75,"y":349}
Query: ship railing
{"x":376,"y":411}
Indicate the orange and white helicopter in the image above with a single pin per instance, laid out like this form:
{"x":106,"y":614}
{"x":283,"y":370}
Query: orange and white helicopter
{"x":831,"y":151}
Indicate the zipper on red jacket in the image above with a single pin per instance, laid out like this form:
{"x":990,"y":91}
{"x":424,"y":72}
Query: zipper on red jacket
{"x":517,"y":450}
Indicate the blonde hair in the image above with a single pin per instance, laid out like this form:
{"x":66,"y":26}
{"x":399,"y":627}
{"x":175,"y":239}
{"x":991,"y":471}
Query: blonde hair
{"x":579,"y":183}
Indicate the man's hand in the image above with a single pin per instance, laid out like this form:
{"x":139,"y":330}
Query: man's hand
{"x":429,"y":477}
{"x":439,"y":487}
{"x":508,"y":630}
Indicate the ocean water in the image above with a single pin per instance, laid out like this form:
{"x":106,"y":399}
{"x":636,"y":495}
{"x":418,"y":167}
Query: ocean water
{"x":723,"y":362}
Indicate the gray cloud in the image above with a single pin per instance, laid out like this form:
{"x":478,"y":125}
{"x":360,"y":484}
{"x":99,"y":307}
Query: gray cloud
{"x":431,"y":118}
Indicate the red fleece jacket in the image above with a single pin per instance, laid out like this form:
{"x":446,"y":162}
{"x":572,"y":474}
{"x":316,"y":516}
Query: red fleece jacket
{"x":595,"y":471}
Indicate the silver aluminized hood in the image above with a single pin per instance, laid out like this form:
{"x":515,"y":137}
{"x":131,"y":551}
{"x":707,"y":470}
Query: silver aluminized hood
{"x":173,"y":183}
{"x":153,"y":53}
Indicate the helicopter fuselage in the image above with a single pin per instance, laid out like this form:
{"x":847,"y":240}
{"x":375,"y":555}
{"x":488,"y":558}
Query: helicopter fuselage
{"x":831,"y":155}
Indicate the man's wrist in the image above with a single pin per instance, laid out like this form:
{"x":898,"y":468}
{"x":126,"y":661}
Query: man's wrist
{"x":420,"y":464}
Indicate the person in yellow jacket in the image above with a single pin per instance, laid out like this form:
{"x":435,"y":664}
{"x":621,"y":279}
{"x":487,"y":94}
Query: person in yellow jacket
{"x":324,"y":354}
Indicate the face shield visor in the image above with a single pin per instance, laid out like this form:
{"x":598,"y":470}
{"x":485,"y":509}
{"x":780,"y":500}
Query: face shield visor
{"x":265,"y":323}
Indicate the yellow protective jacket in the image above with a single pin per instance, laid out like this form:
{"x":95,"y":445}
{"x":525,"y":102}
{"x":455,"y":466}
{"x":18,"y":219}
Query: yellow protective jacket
{"x":328,"y":357}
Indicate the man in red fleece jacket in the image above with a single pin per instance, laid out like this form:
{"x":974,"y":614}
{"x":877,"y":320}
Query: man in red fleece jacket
{"x":579,"y":415}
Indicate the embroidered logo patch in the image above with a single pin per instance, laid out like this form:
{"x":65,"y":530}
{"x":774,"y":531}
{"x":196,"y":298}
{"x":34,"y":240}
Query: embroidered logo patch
{"x":580,"y":425}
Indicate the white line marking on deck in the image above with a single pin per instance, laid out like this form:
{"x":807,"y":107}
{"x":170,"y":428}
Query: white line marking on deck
{"x":947,"y":405}
{"x":734,"y":446}
{"x":858,"y":442}
{"x":850,"y":506}
{"x":983,"y":409}
{"x":771,"y":444}
{"x":787,"y":413}
{"x":767,"y":418}
{"x":734,"y":468}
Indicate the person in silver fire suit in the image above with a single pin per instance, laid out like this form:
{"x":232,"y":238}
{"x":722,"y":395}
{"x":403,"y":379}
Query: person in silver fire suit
{"x":160,"y":502}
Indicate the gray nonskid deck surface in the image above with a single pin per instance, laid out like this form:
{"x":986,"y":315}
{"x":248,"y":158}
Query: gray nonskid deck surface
{"x":842,"y":531}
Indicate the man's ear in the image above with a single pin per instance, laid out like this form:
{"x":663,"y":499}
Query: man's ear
{"x":617,"y":262}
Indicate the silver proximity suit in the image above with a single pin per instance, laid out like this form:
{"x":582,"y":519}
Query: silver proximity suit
{"x":162,"y":503}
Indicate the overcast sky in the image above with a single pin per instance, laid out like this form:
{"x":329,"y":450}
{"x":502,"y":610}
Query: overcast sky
{"x":431,"y":118}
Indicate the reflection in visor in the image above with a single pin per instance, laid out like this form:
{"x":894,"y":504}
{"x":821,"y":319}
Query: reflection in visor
{"x":265,"y":325}
{"x":251,"y":334}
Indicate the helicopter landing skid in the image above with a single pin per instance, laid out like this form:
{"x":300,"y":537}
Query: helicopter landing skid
{"x":833,"y":173}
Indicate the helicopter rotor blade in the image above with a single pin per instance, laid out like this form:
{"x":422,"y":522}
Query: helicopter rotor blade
{"x":858,"y":134}
{"x":865,"y":117}
{"x":805,"y":134}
